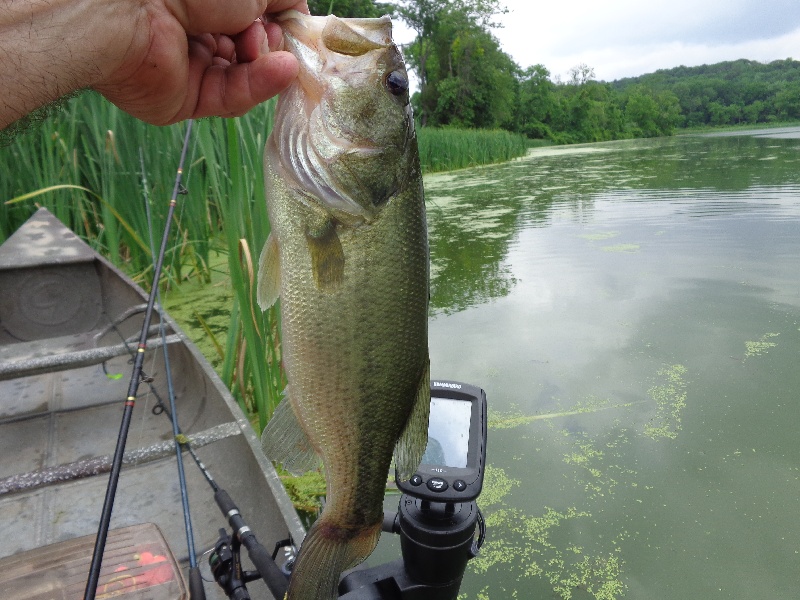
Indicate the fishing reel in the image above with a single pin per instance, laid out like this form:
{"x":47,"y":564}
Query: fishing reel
{"x":225,"y":562}
{"x":226,"y":567}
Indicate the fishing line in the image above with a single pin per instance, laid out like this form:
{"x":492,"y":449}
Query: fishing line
{"x":196,"y":590}
{"x":130,"y":401}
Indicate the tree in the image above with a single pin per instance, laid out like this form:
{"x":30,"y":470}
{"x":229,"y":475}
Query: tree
{"x":437,"y":24}
{"x":650,"y":113}
{"x":641,"y":112}
{"x":787,"y":102}
{"x":728,"y":92}
{"x":581,"y":74}
{"x":537,"y":103}
{"x":477,"y":87}
{"x":349,"y":8}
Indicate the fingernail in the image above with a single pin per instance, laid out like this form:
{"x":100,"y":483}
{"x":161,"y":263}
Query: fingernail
{"x":265,"y":45}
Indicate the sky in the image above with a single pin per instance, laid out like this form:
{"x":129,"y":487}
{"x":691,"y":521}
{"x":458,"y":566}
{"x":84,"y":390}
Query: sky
{"x":625,"y":38}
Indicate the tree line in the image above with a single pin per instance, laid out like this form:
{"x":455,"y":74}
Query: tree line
{"x":467,"y":80}
{"x":728,"y":93}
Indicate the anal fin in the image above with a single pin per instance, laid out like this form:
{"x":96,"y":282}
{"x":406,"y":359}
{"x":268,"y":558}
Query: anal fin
{"x":414,"y":439}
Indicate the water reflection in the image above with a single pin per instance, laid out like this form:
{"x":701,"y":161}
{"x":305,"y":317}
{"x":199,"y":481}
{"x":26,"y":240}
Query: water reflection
{"x":633,"y":311}
{"x":476,"y":215}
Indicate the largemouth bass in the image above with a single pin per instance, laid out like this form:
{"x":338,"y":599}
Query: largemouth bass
{"x":348,"y":257}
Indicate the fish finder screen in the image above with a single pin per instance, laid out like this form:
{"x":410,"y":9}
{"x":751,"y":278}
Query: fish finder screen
{"x":448,"y":433}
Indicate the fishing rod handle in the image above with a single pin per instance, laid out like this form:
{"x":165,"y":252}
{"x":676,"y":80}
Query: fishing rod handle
{"x":260,"y":557}
{"x":196,"y":589}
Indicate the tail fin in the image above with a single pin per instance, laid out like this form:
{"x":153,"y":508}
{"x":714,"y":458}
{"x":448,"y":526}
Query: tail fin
{"x":327,"y":551}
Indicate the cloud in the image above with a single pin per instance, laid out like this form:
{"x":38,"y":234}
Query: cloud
{"x":630,"y":37}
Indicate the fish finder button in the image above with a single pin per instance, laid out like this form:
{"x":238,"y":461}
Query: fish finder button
{"x":459,"y":485}
{"x":437,"y":484}
{"x":415,"y":480}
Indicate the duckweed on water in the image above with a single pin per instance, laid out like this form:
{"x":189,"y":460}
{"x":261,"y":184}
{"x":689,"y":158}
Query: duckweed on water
{"x":602,"y":236}
{"x":545,"y":547}
{"x":622,"y":248}
{"x":535,"y":554}
{"x":511,"y":419}
{"x":670,"y":399}
{"x":196,"y":303}
{"x":496,"y":486}
{"x":761,"y":346}
{"x":524,"y":545}
{"x":594,"y":467}
{"x":599,"y":237}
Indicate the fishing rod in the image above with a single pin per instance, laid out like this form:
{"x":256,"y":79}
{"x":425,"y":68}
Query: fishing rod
{"x":133,"y":387}
{"x":196,"y":589}
{"x":225,"y":561}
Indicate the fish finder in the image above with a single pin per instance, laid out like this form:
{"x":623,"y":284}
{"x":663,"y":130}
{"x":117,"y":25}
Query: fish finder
{"x":452,"y":466}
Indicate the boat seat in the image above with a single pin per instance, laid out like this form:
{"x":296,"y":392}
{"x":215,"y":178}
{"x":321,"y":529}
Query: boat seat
{"x":137,"y":565}
{"x":23,"y":359}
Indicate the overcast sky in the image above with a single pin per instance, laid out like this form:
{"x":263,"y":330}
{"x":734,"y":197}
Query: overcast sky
{"x":622,"y":38}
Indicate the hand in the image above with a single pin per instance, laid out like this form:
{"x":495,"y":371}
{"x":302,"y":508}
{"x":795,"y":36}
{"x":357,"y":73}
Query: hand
{"x":197,"y":58}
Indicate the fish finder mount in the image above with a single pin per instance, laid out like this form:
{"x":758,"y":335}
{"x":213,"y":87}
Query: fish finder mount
{"x":437,"y":514}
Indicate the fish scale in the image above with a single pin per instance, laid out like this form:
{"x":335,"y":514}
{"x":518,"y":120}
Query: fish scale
{"x":348,"y":258}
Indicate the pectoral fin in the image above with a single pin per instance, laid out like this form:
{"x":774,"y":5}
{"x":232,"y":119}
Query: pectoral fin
{"x":327,"y":256}
{"x":414,"y":439}
{"x":269,"y":274}
{"x":284,"y":440}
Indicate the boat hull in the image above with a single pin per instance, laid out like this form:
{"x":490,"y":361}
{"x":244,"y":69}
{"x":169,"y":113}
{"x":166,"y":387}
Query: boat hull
{"x":63,"y":310}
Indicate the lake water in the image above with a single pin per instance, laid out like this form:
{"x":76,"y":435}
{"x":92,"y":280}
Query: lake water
{"x":632,"y":310}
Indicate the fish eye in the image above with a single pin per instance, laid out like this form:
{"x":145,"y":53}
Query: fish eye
{"x":397,"y":83}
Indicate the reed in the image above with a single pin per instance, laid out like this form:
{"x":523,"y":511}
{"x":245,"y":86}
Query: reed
{"x":447,"y":149}
{"x":229,"y":152}
{"x":95,"y":167}
{"x":86,"y":164}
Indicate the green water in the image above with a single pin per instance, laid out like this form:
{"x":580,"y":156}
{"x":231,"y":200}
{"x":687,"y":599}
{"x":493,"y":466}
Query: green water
{"x":633,"y":312}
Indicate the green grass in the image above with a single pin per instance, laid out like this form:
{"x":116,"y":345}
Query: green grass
{"x":87,"y":165}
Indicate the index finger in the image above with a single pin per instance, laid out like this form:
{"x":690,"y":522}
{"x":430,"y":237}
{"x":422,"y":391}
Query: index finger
{"x":274,"y":6}
{"x":219,"y":16}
